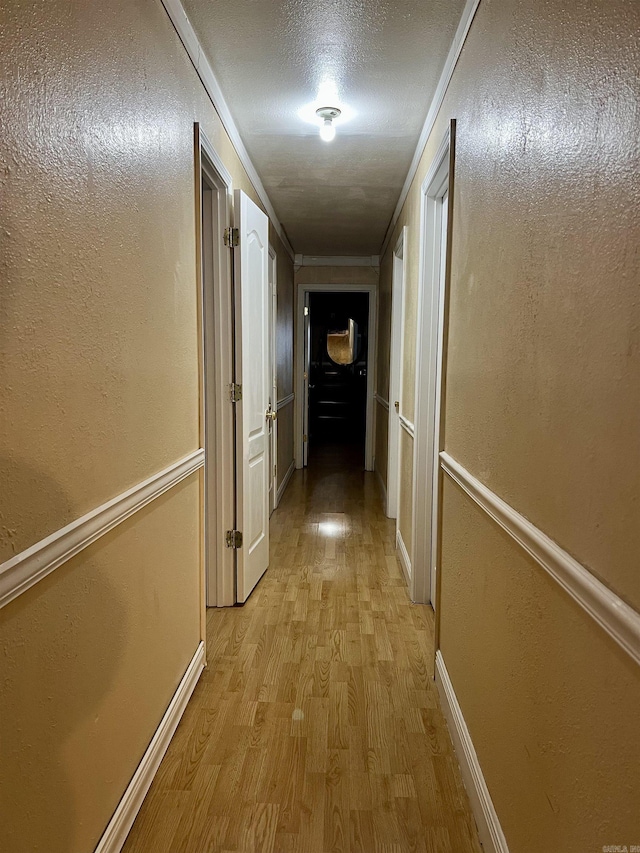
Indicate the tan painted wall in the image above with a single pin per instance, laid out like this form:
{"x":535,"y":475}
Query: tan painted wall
{"x":336,"y":275}
{"x":382,"y":442}
{"x":91,"y":657}
{"x":98,"y":390}
{"x":285,"y":441}
{"x":543,"y":405}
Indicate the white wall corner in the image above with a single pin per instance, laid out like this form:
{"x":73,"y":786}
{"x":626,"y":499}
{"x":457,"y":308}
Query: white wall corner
{"x":489,"y":828}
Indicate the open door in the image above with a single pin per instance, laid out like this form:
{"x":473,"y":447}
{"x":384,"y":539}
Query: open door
{"x":306,"y":369}
{"x":253,"y":412}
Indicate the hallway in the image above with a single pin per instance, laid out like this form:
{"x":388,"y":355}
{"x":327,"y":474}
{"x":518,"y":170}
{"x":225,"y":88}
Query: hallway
{"x":316,"y":725}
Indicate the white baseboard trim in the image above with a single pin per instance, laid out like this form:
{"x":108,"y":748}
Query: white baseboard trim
{"x":403,"y":554}
{"x":489,"y":829}
{"x":614,"y":615}
{"x":24,"y":570}
{"x":116,"y":832}
{"x":383,"y":489}
{"x":283,"y":485}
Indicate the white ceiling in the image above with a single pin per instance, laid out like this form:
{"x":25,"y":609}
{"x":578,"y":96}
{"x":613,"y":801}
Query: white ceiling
{"x":379,"y":61}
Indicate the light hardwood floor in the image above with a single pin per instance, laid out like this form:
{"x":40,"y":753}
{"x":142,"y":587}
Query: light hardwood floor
{"x":316,"y":726}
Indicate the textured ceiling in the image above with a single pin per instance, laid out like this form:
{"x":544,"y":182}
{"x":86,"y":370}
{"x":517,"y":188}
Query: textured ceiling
{"x":380,"y":61}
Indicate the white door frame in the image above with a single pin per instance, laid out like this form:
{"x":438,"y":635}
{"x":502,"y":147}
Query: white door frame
{"x":302,"y":290}
{"x":433,"y":276}
{"x":398,"y":279}
{"x":273,"y":357}
{"x":217,"y":427}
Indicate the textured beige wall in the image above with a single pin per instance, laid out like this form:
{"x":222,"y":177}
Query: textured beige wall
{"x":98,"y":390}
{"x":543,"y":405}
{"x":91,"y":657}
{"x":551,"y":701}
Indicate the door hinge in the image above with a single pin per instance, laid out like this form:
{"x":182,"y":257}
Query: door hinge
{"x":306,"y":310}
{"x":304,"y":437}
{"x":231,"y":237}
{"x":235,"y":392}
{"x":233,"y":539}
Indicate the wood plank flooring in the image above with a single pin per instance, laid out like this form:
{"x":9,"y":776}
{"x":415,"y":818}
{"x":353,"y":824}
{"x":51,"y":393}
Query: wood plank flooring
{"x":316,"y":726}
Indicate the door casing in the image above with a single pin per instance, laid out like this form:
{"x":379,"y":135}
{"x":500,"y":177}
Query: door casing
{"x":395,"y":373}
{"x":217,"y":428}
{"x":434,"y":276}
{"x":301,"y":384}
{"x":273,"y":360}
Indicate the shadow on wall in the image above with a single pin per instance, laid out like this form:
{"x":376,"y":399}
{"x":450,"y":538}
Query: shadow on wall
{"x":55,"y":668}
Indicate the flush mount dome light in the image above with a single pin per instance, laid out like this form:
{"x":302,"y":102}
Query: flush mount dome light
{"x":327,"y":114}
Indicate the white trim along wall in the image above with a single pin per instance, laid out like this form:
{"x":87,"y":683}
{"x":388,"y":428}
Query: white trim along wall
{"x":489,"y":828}
{"x":20,"y":573}
{"x":115,"y":834}
{"x":615,"y":616}
{"x":285,"y":401}
{"x":403,"y":554}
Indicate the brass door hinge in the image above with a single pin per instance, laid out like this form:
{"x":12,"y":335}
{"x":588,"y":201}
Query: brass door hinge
{"x":304,"y":437}
{"x":231,"y":237}
{"x":235,"y":392}
{"x":233,"y":539}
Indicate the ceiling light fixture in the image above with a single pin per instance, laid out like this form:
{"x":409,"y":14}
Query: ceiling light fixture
{"x":327,"y":114}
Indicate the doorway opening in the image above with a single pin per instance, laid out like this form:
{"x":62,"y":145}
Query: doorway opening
{"x":217,"y":429}
{"x":395,"y":375}
{"x":338,"y":365}
{"x":435,"y":253}
{"x":335,"y":366}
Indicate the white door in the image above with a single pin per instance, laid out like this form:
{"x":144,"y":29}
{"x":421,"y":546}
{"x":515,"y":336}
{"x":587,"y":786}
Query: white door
{"x":251,"y":267}
{"x":307,"y":367}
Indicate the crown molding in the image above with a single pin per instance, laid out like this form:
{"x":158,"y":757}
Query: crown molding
{"x":195,"y":51}
{"x":466,"y":19}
